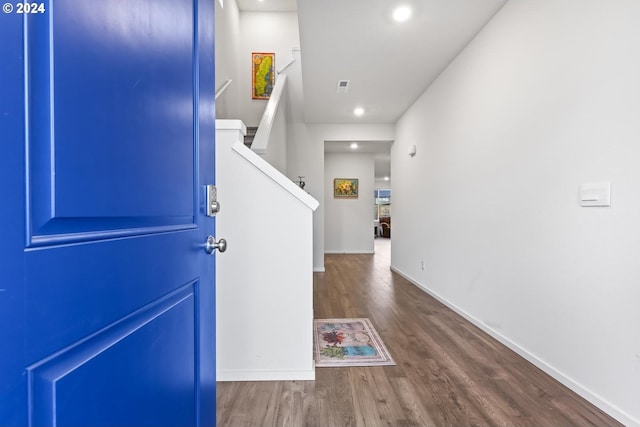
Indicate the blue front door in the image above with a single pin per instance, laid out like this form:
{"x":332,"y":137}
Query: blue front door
{"x":106,"y":144}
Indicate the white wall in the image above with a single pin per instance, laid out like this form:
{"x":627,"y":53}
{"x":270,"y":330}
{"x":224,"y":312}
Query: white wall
{"x":262,"y":32}
{"x":227,"y":56}
{"x":305,"y":156}
{"x":349,"y":222}
{"x":547,"y":97}
{"x":264,"y":281}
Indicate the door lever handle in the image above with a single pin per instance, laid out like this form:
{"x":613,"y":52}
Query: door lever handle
{"x":211,"y":245}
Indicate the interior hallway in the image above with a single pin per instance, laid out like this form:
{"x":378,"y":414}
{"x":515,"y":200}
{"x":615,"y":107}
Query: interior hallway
{"x":448,"y":372}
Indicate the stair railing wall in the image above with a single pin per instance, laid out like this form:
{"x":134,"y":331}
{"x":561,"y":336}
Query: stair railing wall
{"x":264,"y":280}
{"x":270,"y":141}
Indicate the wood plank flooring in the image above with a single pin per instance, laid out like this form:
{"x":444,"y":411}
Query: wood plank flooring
{"x":448,"y":372}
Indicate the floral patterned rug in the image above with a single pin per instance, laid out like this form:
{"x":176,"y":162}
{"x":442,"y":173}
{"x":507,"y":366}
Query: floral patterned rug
{"x":348,"y":342}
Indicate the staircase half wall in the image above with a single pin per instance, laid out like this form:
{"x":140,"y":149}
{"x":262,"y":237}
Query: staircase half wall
{"x":264,"y":296}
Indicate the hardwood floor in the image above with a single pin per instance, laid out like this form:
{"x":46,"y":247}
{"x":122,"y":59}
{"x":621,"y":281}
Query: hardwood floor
{"x":448,"y":372}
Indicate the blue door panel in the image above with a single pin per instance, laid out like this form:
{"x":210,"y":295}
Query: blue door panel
{"x":100,"y":283}
{"x":116,"y":109}
{"x":146,"y":360}
{"x":107,"y":297}
{"x":130,"y":112}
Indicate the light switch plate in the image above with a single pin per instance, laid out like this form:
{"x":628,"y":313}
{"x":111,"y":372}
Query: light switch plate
{"x":595,"y":194}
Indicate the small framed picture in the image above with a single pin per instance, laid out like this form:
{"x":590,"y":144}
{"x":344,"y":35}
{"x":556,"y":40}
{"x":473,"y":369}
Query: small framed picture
{"x":345,"y":188}
{"x":262,"y":74}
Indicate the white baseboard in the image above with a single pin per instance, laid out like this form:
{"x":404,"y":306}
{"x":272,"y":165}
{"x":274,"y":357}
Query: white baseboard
{"x":318,"y":269}
{"x":587,"y":394}
{"x":350,"y":252}
{"x":309,"y":375}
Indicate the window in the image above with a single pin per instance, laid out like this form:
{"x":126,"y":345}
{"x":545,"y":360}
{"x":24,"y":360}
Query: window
{"x":382,"y":207}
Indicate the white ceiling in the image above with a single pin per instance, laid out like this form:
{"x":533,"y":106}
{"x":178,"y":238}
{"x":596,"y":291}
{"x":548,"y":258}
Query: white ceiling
{"x":388,"y":64}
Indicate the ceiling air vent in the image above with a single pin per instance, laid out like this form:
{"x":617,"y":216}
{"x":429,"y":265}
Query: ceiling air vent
{"x":343,"y":86}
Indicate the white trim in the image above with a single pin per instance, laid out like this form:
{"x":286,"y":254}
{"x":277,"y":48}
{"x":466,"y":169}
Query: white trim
{"x":350,"y":252}
{"x":223,"y":88}
{"x":309,"y":375}
{"x":231,"y":124}
{"x":318,"y":269}
{"x":266,"y":168}
{"x":587,"y":394}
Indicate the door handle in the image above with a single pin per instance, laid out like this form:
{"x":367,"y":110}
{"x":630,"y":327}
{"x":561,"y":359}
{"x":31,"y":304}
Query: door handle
{"x":211,"y":245}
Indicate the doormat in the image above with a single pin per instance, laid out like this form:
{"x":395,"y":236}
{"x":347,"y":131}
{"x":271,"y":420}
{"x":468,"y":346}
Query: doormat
{"x":348,"y":342}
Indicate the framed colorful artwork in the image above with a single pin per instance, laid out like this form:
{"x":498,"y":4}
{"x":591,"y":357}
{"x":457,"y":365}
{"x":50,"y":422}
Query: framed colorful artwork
{"x":345,"y":188}
{"x":262,"y":74}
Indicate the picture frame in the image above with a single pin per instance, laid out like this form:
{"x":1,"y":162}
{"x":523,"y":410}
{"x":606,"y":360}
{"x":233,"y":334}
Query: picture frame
{"x":262,"y":74}
{"x":345,"y":188}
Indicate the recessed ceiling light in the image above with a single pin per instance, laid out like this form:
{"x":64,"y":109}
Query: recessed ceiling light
{"x":358,"y":111}
{"x":386,"y":178}
{"x":354,"y":145}
{"x":401,"y":13}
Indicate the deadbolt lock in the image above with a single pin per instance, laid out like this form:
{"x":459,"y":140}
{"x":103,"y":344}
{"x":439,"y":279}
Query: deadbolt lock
{"x":213,"y":206}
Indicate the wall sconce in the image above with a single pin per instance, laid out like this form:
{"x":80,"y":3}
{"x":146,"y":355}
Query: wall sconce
{"x":412,"y":150}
